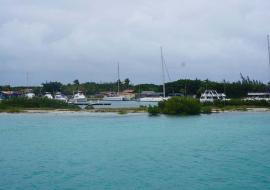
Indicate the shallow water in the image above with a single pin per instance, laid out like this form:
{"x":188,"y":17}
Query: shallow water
{"x":109,"y":151}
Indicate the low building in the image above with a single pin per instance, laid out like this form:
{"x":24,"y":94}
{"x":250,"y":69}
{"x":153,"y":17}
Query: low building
{"x":258,"y":96}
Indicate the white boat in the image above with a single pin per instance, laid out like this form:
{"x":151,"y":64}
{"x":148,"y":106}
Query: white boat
{"x":61,"y":97}
{"x":211,"y":96}
{"x":30,"y":95}
{"x":79,"y":99}
{"x":48,"y":95}
{"x":114,"y":98}
{"x":153,"y":99}
{"x":159,"y":98}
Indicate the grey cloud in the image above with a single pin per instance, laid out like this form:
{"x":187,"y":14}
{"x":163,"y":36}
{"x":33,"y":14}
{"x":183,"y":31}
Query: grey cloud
{"x":63,"y":40}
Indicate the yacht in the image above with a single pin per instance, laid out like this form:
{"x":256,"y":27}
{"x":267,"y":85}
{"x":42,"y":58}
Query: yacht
{"x":153,"y":99}
{"x":61,"y":97}
{"x":116,"y":97}
{"x":48,"y":95}
{"x":159,"y":98}
{"x":211,"y":96}
{"x":30,"y":95}
{"x":79,"y":99}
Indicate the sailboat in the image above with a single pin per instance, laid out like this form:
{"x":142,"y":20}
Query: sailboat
{"x":116,"y":97}
{"x":159,"y":98}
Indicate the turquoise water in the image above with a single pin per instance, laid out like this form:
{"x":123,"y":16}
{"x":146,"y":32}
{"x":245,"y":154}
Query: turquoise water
{"x":109,"y":151}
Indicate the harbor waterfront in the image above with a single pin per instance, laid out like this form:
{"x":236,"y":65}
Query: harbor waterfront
{"x":110,"y":151}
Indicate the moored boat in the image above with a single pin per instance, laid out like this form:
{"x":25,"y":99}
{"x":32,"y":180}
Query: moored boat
{"x":61,"y":97}
{"x":79,"y":99}
{"x":48,"y":95}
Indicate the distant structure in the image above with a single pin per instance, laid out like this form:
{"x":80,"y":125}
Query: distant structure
{"x":209,"y":96}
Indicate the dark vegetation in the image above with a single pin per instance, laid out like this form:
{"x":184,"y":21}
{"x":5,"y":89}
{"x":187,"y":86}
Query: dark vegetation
{"x":20,"y":103}
{"x":237,"y":89}
{"x":191,"y":106}
{"x":177,"y":106}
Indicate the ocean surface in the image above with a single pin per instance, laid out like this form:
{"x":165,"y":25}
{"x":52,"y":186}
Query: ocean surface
{"x":226,"y":151}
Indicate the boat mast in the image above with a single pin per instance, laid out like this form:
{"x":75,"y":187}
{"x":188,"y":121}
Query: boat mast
{"x":118,"y":81}
{"x":163,"y":74}
{"x":27,"y":79}
{"x":268,"y":43}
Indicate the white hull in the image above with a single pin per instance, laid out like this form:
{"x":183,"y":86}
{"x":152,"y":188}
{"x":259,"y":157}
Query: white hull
{"x":114,"y":98}
{"x":49,"y":96}
{"x":152,"y":99}
{"x":60,"y":97}
{"x":79,"y":99}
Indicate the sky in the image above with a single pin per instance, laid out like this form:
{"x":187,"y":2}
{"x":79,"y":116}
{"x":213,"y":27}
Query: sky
{"x":64,"y":40}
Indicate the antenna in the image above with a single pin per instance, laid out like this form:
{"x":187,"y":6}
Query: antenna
{"x":163,"y":74}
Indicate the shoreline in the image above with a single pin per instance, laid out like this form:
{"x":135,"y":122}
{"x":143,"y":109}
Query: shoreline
{"x":123,"y":111}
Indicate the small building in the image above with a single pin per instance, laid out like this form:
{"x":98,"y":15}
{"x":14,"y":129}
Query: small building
{"x":258,"y":96}
{"x":209,"y":96}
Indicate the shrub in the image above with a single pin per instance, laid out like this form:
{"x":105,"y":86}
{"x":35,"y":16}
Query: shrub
{"x":153,"y":110}
{"x":240,"y":102}
{"x":206,"y":110}
{"x":22,"y":102}
{"x":122,"y":112}
{"x":180,"y":106}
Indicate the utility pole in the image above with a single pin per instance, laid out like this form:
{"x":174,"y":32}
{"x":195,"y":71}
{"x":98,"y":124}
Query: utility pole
{"x":163,"y":74}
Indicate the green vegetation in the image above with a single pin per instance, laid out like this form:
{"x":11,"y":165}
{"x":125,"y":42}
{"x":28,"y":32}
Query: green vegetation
{"x":20,"y":103}
{"x":239,"y":102}
{"x":235,"y":105}
{"x":153,"y":110}
{"x":122,"y":112}
{"x":177,"y":106}
{"x":236,"y":89}
{"x":206,"y":109}
{"x":190,"y":106}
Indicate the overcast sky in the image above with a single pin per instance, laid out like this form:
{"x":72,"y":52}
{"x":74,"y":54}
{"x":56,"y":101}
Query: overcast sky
{"x":63,"y":40}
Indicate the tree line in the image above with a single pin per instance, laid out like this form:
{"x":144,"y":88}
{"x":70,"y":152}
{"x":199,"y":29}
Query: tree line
{"x":186,"y":87}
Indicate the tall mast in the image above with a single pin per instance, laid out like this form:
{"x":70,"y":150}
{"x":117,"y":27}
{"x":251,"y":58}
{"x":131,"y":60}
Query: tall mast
{"x":268,"y":43}
{"x":27,"y":79}
{"x":118,"y":81}
{"x":163,"y":73}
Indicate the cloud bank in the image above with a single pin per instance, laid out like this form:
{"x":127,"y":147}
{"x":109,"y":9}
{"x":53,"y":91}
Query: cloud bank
{"x":65,"y":40}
